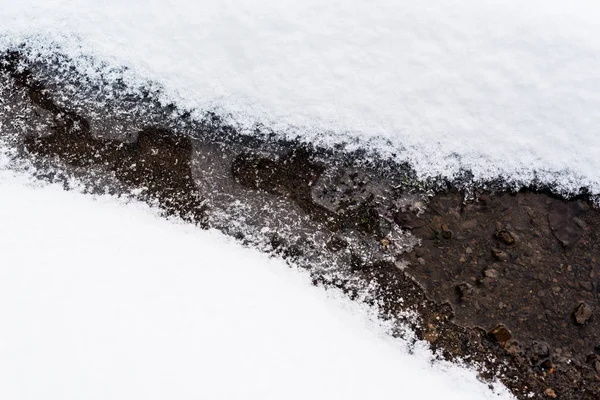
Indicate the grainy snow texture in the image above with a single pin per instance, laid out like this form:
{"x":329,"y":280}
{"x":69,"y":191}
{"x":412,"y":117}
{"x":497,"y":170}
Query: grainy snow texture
{"x":103,"y":300}
{"x":506,"y":88}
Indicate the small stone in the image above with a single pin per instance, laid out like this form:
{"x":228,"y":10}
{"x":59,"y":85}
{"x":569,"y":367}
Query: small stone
{"x":550,"y":393}
{"x":421,"y":260}
{"x":446,"y":232}
{"x":491,"y":273}
{"x":469,"y":224}
{"x":506,"y":237}
{"x":582,"y":313}
{"x":464,"y":291}
{"x":499,"y":255}
{"x":469,"y":250}
{"x":419,"y":252}
{"x":540,"y":349}
{"x":597,"y":366}
{"x":556,"y":289}
{"x":500,"y":334}
{"x":587,"y":285}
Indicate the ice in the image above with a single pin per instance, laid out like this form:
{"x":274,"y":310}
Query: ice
{"x":105,"y":300}
{"x":503,"y":88}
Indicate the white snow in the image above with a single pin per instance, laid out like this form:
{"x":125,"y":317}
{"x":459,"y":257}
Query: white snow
{"x":503,"y":87}
{"x":104,"y":300}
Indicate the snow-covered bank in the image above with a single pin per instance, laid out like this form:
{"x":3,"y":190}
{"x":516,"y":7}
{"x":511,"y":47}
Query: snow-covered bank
{"x":503,"y":88}
{"x":103,"y":300}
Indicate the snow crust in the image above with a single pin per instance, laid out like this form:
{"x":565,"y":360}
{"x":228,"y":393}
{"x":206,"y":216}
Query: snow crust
{"x":504,"y":88}
{"x":104,"y":300}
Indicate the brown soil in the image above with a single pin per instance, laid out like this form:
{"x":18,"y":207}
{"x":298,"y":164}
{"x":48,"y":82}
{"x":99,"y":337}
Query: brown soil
{"x":508,"y":281}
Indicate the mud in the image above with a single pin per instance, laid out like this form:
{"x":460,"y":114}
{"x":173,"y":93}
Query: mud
{"x":508,"y":282}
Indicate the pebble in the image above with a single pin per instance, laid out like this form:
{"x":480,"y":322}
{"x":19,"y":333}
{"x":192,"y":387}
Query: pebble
{"x":582,"y":313}
{"x":464,"y":291}
{"x":469,"y":225}
{"x":556,"y":289}
{"x":421,"y":260}
{"x":446,"y":232}
{"x":550,"y":393}
{"x":506,"y":237}
{"x":540,"y":349}
{"x":500,"y":255}
{"x":501,"y":334}
{"x":491,"y":273}
{"x":587,"y":285}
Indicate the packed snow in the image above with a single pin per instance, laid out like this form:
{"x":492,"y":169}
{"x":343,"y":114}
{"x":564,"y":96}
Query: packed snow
{"x":504,"y":88}
{"x":100,"y":299}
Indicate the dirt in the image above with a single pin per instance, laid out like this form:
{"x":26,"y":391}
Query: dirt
{"x":508,"y":282}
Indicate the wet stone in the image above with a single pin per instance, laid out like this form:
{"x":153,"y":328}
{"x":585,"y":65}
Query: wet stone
{"x":499,"y":255}
{"x":564,"y":226}
{"x":506,"y":237}
{"x":491,"y":273}
{"x":446,"y":232}
{"x":540,"y":349}
{"x":582,"y":313}
{"x":469,"y":225}
{"x":500,"y":334}
{"x":464,"y":291}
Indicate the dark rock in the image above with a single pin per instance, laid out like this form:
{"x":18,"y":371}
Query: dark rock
{"x":506,"y":237}
{"x":491,"y":273}
{"x":469,"y":225}
{"x":582,"y":313}
{"x":587,"y":285}
{"x":446,"y":232}
{"x":540,"y":349}
{"x":500,"y":334}
{"x":464,"y":291}
{"x":408,"y":220}
{"x":499,"y":255}
{"x":561,"y":218}
{"x":547,"y":365}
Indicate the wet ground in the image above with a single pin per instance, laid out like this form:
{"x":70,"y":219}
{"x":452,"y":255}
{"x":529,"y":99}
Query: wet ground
{"x":507,"y":281}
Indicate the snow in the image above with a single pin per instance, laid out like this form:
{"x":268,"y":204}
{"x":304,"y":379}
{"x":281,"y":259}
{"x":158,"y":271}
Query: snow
{"x":504,"y":88}
{"x":102,"y":299}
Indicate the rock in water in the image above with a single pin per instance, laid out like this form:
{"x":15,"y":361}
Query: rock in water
{"x":582,"y":313}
